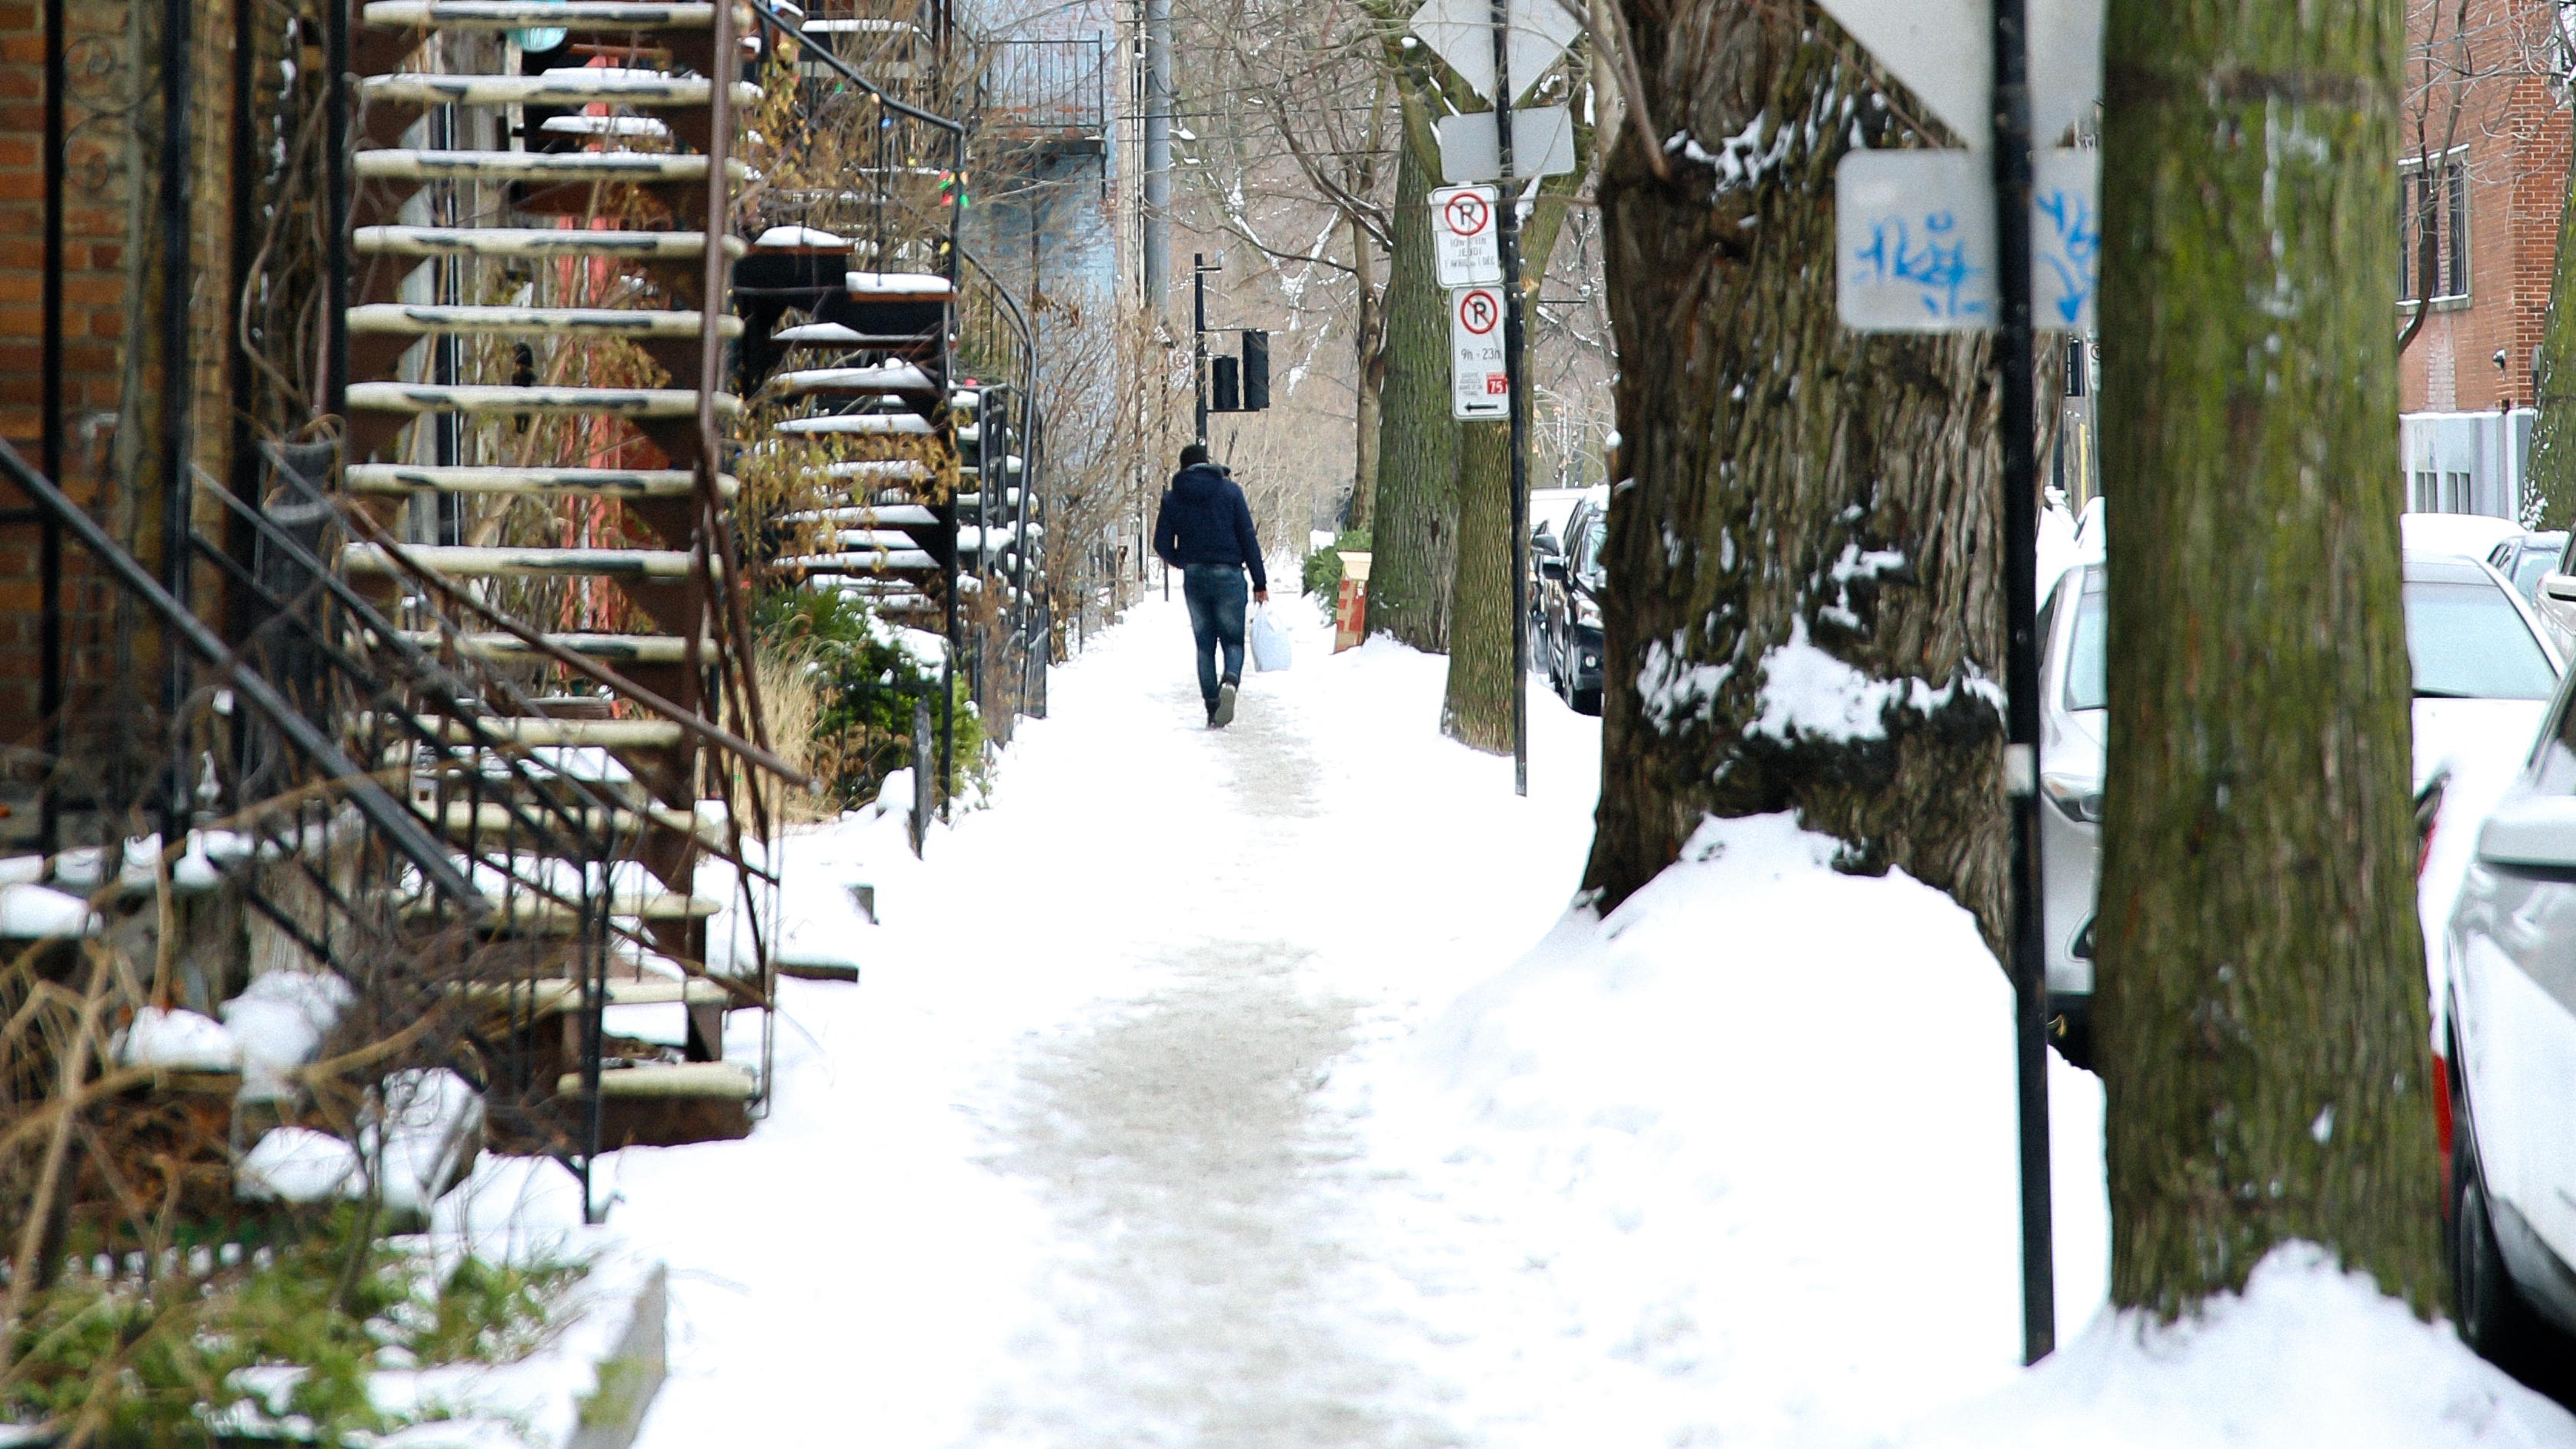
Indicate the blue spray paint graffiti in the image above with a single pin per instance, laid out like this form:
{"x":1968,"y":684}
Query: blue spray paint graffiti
{"x":1937,"y":265}
{"x":2068,"y":245}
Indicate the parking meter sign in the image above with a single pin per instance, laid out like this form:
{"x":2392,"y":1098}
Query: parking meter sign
{"x":1466,"y":246}
{"x":1479,"y":385}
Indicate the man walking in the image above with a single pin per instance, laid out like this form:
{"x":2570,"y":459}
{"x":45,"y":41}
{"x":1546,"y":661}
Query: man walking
{"x":1205,"y":530}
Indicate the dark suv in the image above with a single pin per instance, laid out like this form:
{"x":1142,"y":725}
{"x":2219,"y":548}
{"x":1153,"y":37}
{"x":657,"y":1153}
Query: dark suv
{"x":1570,"y":601}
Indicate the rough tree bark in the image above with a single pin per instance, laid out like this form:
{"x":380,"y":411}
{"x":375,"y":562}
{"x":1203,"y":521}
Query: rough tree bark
{"x":1368,"y":377}
{"x":2260,"y":1002}
{"x":1807,"y":609}
{"x":1414,"y":541}
{"x":1476,"y":702}
{"x":2553,"y":430}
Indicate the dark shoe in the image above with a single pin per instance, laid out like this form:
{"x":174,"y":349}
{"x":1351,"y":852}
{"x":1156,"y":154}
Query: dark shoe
{"x":1223,"y":714}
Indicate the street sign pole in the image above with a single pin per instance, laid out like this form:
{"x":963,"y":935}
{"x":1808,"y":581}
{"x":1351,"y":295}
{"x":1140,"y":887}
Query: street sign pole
{"x":2019,"y":411}
{"x":1507,"y":226}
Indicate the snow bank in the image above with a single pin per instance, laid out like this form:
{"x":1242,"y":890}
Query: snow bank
{"x":178,"y":1041}
{"x":298,"y":1164}
{"x":433,"y":1123}
{"x":280,"y":1020}
{"x":1757,"y":1129}
{"x":2309,"y":1355}
{"x":31,"y":912}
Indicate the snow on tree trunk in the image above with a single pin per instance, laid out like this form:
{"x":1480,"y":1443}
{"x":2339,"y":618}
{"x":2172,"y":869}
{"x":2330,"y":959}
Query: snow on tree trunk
{"x":1805,"y":609}
{"x":2261,"y":1002}
{"x":1414,"y":541}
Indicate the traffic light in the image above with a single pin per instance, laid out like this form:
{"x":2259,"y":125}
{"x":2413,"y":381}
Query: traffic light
{"x":1256,"y":371}
{"x":1225,"y":390}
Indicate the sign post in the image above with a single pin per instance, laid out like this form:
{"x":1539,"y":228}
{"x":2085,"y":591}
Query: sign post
{"x":1926,"y":243}
{"x":1517,"y":389}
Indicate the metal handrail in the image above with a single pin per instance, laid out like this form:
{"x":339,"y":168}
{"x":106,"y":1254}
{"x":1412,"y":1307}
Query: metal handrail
{"x":379,"y":808}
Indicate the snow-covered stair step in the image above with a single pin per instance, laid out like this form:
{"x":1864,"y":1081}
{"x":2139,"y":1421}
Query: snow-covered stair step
{"x":898,"y":287}
{"x":670,"y":1079}
{"x":883,"y":377}
{"x":887,"y":515}
{"x":604,"y":482}
{"x":528,"y":732}
{"x":466,"y":562}
{"x":624,"y":402}
{"x":605,"y":126}
{"x":530,"y":912}
{"x":541,"y":14}
{"x":910,"y":425}
{"x":422,"y":320}
{"x":533,"y":241}
{"x":584,"y":87}
{"x":883,"y":470}
{"x":622,"y":648}
{"x":491,"y":821}
{"x":864,"y":561}
{"x":405,"y":164}
{"x":873,"y":539}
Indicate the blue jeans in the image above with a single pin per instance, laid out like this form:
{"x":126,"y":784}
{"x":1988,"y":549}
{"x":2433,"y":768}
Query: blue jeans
{"x":1215,"y":594}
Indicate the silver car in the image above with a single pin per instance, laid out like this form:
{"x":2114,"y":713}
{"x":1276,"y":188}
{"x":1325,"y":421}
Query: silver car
{"x":2483,"y":669}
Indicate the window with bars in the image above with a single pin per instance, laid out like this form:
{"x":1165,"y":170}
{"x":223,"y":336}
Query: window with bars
{"x":2433,"y":229}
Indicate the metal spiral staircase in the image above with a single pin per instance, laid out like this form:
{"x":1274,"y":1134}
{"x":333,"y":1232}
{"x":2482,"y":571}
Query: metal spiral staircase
{"x":538,"y":311}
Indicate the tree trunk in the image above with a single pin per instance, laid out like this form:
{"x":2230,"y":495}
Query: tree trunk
{"x":2260,"y":1003}
{"x":1369,"y":376}
{"x":1476,"y":709}
{"x":1414,"y":540}
{"x":2552,"y":500}
{"x":1807,"y":609}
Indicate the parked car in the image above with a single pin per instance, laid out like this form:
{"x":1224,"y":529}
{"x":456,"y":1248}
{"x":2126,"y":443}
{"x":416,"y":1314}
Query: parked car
{"x":1571,"y":586}
{"x":2483,"y":668}
{"x":2527,"y":558}
{"x":2505,"y":1056}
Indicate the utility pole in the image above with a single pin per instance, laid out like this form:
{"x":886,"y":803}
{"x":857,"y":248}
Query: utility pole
{"x":1198,"y":340}
{"x":1155,"y":233}
{"x":2018,"y":410}
{"x":1507,"y":235}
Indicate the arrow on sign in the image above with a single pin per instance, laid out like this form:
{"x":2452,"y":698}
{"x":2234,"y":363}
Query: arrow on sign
{"x":1461,"y":32}
{"x":1943,"y":50}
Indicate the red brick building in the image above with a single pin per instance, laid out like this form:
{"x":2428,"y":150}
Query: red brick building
{"x":2483,"y":176}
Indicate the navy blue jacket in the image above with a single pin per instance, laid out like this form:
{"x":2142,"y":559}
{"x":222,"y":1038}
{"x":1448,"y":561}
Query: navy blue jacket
{"x":1204,"y":521}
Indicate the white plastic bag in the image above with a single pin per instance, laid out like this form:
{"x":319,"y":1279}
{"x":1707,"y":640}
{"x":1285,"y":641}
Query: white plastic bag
{"x":1269,"y":642}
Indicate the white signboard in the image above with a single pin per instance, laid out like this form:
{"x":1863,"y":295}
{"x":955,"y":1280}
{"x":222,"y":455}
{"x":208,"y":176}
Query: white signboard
{"x":1466,"y":246}
{"x":1914,"y":236}
{"x":1944,"y":52}
{"x":1461,"y":32}
{"x":1479,"y":387}
{"x":1542,"y":145}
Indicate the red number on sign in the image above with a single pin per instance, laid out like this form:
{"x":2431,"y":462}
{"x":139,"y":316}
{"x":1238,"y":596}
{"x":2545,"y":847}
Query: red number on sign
{"x":1497,"y":384}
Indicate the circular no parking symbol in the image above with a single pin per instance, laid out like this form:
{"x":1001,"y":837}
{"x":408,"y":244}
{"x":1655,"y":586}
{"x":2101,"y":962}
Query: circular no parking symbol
{"x":1466,"y":214}
{"x":1477,"y":311}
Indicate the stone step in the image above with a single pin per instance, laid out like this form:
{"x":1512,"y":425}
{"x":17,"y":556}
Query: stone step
{"x":544,"y":14}
{"x":623,"y":402}
{"x":533,"y":241}
{"x":465,"y":562}
{"x":670,"y":1079}
{"x":543,"y":482}
{"x":908,"y":425}
{"x":547,"y":167}
{"x":583,"y":87}
{"x":410,"y":319}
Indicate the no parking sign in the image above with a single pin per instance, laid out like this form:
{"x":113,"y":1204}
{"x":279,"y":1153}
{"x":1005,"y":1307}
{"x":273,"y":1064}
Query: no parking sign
{"x":1479,"y":385}
{"x":1466,"y":247}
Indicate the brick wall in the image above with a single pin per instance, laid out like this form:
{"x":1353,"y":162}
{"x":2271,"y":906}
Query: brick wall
{"x":2516,"y":137}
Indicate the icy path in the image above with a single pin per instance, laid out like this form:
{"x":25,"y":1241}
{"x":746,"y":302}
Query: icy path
{"x":1067,"y":1169}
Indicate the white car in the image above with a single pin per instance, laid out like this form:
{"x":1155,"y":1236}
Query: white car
{"x":2484,"y":671}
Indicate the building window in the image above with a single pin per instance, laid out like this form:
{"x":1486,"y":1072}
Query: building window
{"x":2439,"y":492}
{"x":2433,"y":229}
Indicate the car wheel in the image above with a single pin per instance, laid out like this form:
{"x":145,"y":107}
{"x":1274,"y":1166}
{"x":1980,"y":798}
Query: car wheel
{"x":1586,"y":701}
{"x":2491,"y":1314}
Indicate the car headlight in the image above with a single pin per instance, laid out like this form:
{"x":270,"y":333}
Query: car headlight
{"x":2077,"y":797}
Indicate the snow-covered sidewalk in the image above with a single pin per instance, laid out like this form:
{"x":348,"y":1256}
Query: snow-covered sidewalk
{"x":1186,"y":1101}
